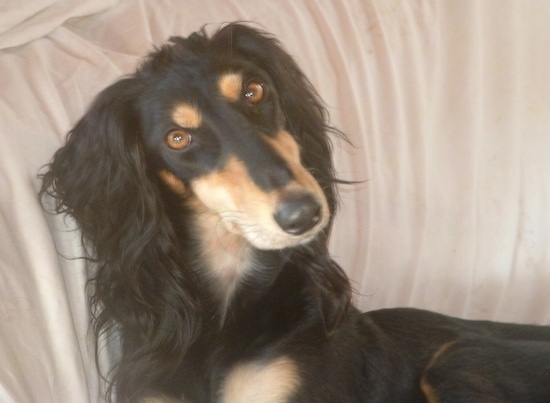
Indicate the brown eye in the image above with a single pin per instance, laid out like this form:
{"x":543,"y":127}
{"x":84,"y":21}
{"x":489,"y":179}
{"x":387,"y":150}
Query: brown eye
{"x":178,"y":139}
{"x":254,"y":92}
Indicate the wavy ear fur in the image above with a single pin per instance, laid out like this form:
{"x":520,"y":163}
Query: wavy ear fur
{"x":100,"y":177}
{"x":306,"y":119}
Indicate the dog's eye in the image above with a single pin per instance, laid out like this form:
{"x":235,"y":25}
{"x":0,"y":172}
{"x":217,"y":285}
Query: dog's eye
{"x":254,"y":92}
{"x":178,"y":139}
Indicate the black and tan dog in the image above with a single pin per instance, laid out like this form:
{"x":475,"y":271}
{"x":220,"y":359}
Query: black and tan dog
{"x":204,"y":184}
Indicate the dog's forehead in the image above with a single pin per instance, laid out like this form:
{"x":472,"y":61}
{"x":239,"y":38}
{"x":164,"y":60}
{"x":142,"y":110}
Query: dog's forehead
{"x":188,"y":114}
{"x":186,"y":106}
{"x":230,"y":85}
{"x":202,"y":76}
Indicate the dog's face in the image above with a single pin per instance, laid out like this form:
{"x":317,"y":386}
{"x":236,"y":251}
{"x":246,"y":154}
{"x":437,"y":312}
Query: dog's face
{"x":216,"y":134}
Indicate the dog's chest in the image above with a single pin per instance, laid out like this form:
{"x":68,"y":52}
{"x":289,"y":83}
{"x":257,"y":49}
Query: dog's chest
{"x":270,"y":382}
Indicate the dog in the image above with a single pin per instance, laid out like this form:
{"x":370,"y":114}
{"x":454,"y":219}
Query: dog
{"x":203,"y":183}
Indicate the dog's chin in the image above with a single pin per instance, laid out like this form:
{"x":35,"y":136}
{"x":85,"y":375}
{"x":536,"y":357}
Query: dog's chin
{"x":278,"y":242}
{"x":271,"y":240}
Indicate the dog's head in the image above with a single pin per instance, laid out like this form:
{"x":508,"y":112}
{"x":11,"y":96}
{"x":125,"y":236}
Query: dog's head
{"x":229,"y":123}
{"x":222,"y":130}
{"x":215,"y":128}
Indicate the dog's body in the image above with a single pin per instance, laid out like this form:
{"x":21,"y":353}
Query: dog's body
{"x":204,"y":184}
{"x":394,"y":355}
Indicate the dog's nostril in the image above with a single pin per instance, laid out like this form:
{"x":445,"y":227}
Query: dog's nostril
{"x":298,"y":213}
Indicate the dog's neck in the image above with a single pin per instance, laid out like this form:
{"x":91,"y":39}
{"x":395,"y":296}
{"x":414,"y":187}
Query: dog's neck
{"x":227,"y":258}
{"x":228,"y":262}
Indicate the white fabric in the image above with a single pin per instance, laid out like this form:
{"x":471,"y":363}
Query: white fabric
{"x":447,"y":104}
{"x":23,"y":21}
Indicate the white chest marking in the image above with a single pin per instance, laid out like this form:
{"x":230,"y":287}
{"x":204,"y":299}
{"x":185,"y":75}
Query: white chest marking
{"x":227,"y":255}
{"x":254,"y":382}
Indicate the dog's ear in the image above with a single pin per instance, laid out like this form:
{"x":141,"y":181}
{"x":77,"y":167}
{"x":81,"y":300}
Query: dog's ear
{"x":99,"y":169}
{"x":100,"y":178}
{"x":306,"y":118}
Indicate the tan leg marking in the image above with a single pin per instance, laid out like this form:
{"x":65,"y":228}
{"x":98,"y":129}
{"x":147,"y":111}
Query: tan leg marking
{"x":231,"y":86}
{"x":274,"y":382}
{"x":429,"y":391}
{"x":187,"y":116}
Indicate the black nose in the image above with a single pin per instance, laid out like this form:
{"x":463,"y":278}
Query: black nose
{"x":298,"y":212}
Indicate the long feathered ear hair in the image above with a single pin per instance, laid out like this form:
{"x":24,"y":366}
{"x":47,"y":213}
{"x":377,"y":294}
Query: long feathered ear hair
{"x":306,"y":119}
{"x":100,"y":178}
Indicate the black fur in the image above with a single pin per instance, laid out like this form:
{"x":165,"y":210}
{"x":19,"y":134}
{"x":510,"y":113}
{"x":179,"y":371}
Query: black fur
{"x":150,"y":284}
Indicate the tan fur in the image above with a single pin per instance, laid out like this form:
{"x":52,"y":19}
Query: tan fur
{"x":244,"y":208}
{"x":173,"y":182}
{"x":274,"y":382}
{"x":230,"y":86}
{"x":226,"y":253}
{"x":187,"y":116}
{"x":285,"y":145}
{"x":248,"y":210}
{"x":429,"y":391}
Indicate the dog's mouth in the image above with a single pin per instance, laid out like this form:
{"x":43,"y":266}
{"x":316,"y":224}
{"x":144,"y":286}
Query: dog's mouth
{"x":282,"y":218}
{"x":298,"y":218}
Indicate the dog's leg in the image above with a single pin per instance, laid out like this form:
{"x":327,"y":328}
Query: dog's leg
{"x":489,"y":370}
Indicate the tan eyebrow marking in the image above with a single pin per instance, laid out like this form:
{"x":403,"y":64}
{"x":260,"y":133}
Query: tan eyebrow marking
{"x":172,"y":181}
{"x":187,"y":116}
{"x":230,"y":86}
